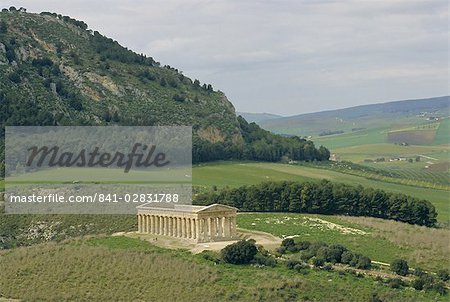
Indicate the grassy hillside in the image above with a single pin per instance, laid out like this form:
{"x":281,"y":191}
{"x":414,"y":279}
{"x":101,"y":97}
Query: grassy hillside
{"x":381,"y":240}
{"x":363,"y":118}
{"x":141,"y":271}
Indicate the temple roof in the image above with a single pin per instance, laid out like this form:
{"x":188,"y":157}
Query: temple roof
{"x":185,"y":208}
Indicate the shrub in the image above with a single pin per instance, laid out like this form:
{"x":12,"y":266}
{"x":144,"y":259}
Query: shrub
{"x":288,"y":242}
{"x":327,"y":267}
{"x":303,"y":245}
{"x":241,"y":252}
{"x":335,"y":253}
{"x":440,"y":288}
{"x":14,"y":77}
{"x":318,"y":261}
{"x":443,"y":275}
{"x":395,"y":282}
{"x":291,"y":263}
{"x":347,"y":257}
{"x":306,"y":255}
{"x":400,"y":267}
{"x":302,"y":269}
{"x":265,"y":260}
{"x":418,"y":283}
{"x":281,"y":250}
{"x":364,"y":262}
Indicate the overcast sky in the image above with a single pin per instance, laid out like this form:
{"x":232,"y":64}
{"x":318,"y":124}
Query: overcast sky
{"x":284,"y":57}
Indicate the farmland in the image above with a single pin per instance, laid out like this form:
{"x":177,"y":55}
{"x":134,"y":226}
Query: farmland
{"x":234,"y":174}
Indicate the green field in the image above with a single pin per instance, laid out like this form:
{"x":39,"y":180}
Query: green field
{"x":234,"y":174}
{"x":379,"y":239}
{"x":125,"y":269}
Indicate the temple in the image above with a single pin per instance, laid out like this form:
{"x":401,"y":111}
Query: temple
{"x":211,"y":223}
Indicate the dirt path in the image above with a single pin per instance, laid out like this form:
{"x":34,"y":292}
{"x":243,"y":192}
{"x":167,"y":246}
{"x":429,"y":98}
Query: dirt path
{"x":268,"y":241}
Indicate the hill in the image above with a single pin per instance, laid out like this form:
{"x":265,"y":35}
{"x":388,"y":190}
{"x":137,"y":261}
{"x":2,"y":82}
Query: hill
{"x":56,"y":71}
{"x":258,"y":117}
{"x":412,"y":116}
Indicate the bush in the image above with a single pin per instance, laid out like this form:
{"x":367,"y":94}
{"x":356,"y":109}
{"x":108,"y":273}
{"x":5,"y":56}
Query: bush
{"x":14,"y":77}
{"x":347,"y":257}
{"x":265,"y":260}
{"x":400,"y":267}
{"x":301,"y":268}
{"x":241,"y":252}
{"x":395,"y":282}
{"x":364,"y":262}
{"x":327,"y":267}
{"x":443,"y":275}
{"x":440,"y":288}
{"x":318,"y":261}
{"x":335,"y":253}
{"x":281,"y":250}
{"x":288,"y":242}
{"x":418,"y":283}
{"x":291,"y":263}
{"x":303,"y":245}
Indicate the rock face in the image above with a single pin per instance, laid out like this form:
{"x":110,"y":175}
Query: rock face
{"x":73,"y":76}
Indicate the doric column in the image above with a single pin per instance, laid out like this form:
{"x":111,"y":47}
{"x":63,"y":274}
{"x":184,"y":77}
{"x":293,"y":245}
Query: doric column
{"x":189,"y":233}
{"x":226,"y":227}
{"x":166,"y":225}
{"x":151,"y":224}
{"x":161,"y":225}
{"x":193,"y":236}
{"x":202,"y":232}
{"x":144,"y":222}
{"x":197,"y":228}
{"x":139,"y":217}
{"x":219,"y":227}
{"x":233,"y":226}
{"x":183,"y":227}
{"x":213,"y":228}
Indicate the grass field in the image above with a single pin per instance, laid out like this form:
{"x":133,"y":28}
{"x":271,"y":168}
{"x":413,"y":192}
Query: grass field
{"x":379,"y":239}
{"x":125,"y":269}
{"x":236,"y":174}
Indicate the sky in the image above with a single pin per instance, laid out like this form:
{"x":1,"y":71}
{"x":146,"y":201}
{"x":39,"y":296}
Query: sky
{"x":284,"y":56}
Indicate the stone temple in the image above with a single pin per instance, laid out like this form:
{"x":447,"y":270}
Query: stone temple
{"x":211,"y":223}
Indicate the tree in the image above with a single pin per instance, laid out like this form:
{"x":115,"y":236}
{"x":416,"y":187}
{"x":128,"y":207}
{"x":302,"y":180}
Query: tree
{"x":241,"y":252}
{"x":347,"y":257}
{"x":364,"y":262}
{"x":3,"y":27}
{"x":400,"y":267}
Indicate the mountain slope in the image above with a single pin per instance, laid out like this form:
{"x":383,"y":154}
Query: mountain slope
{"x":56,"y":72}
